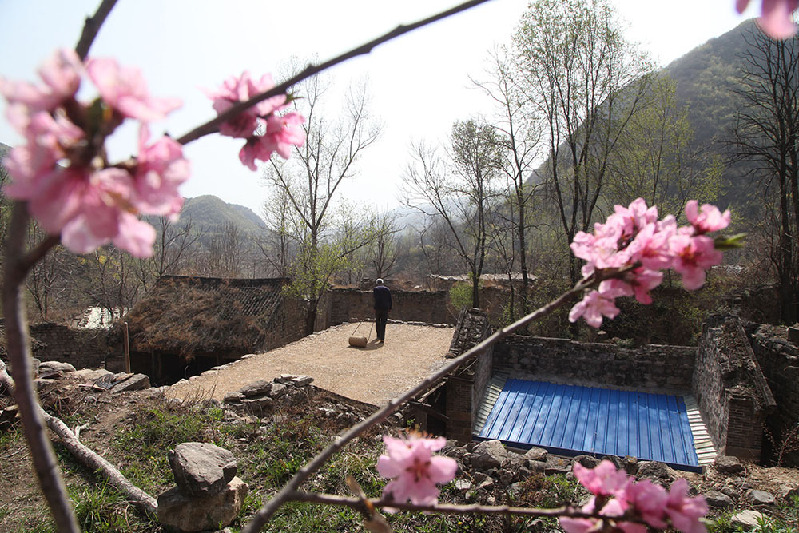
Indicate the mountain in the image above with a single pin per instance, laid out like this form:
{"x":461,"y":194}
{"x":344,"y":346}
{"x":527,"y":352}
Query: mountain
{"x":210,"y":214}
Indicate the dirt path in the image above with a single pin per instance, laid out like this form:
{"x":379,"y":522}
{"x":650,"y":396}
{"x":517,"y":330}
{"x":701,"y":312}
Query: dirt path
{"x":374,"y":374}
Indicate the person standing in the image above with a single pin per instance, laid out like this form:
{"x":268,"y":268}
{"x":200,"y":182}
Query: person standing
{"x":382,"y":306}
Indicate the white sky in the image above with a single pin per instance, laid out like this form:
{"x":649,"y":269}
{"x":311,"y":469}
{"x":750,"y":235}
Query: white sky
{"x":418,"y":83}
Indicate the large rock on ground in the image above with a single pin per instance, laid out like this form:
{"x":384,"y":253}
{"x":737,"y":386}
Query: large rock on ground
{"x":490,"y":454}
{"x":201,"y":468}
{"x":209,"y":512}
{"x":134,"y":382}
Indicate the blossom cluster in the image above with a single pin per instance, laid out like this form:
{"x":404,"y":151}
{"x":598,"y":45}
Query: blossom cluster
{"x":263,"y":128}
{"x":63,"y":171}
{"x":627,"y":505}
{"x":414,"y":470}
{"x":775,"y":16}
{"x":629,"y":251}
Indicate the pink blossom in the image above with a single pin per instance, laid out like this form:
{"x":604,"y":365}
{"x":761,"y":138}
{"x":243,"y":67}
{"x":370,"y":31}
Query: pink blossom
{"x":124,"y":89}
{"x":649,"y":500}
{"x":413,"y":468}
{"x":775,"y":16}
{"x":597,"y":304}
{"x":47,"y":139}
{"x":708,"y":219}
{"x":61,"y":75}
{"x":685,"y":511}
{"x":692,"y":257}
{"x":642,"y":280}
{"x":160,"y":170}
{"x":602,"y":480}
{"x":284,"y":132}
{"x":281,"y":134}
{"x":241,"y":89}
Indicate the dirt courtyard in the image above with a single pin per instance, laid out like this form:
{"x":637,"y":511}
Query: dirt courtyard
{"x":373,"y":375}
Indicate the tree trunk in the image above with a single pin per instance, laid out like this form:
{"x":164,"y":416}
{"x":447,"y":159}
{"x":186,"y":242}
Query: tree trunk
{"x":310,"y":318}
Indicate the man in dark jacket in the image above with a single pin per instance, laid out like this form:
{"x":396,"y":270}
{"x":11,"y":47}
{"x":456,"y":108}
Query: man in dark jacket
{"x":382,"y":307}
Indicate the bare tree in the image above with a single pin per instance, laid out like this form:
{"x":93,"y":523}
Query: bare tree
{"x":174,"y":244}
{"x":519,"y":133}
{"x":311,"y":179}
{"x":460,"y":192}
{"x":767,"y":134}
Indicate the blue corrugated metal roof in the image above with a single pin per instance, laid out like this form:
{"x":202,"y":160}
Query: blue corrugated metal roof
{"x":574,"y":420}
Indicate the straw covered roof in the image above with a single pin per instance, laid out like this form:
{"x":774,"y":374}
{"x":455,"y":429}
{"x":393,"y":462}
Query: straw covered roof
{"x":193,"y":316}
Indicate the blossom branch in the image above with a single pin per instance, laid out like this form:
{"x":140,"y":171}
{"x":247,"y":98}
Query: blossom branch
{"x":213,"y":125}
{"x":19,"y":350}
{"x":362,"y":506}
{"x":92,"y":26}
{"x":265,"y":512}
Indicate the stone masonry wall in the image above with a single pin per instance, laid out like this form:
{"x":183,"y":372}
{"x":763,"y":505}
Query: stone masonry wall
{"x":651,"y":368}
{"x":287,"y":324}
{"x":353,"y":305}
{"x":730,"y":388}
{"x":82,"y":348}
{"x":466,"y":387}
{"x":779,"y":360}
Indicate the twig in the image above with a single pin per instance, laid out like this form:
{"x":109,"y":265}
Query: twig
{"x":212,"y":125}
{"x":91,"y":27}
{"x":265,"y":512}
{"x":444,"y":508}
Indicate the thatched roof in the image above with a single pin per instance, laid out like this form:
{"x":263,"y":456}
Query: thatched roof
{"x":192,"y":316}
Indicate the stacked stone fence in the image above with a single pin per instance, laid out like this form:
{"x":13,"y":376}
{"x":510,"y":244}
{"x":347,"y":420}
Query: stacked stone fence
{"x":82,"y":348}
{"x":779,"y":360}
{"x":731,"y":391}
{"x":650,"y":368}
{"x":353,"y":305}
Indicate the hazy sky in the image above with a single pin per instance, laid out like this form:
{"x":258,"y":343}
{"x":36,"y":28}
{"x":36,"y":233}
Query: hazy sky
{"x":418,"y":83}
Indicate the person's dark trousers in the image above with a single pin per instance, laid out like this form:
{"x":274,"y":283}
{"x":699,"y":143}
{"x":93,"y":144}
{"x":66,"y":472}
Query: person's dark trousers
{"x":381,"y":318}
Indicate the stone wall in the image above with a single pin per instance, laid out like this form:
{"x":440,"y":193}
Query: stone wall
{"x":779,"y":360}
{"x":287,"y":324}
{"x":82,"y":348}
{"x":730,"y":388}
{"x":466,"y":387}
{"x":353,"y":305}
{"x":650,"y":368}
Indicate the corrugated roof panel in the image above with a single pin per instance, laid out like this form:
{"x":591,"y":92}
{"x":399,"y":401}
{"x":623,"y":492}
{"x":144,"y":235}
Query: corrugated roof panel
{"x":576,"y":419}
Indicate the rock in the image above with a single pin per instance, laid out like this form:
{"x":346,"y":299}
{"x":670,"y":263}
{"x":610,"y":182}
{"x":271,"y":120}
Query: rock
{"x":233,"y":397}
{"x":537,"y":466}
{"x":747,"y":520}
{"x":631,"y":465}
{"x":718,"y":499}
{"x":256,"y":388}
{"x":89,"y":374}
{"x":462,"y":485}
{"x":489,"y":454}
{"x":301,"y":381}
{"x":536,"y":454}
{"x":208,"y":512}
{"x":134,"y":382}
{"x":201,"y":468}
{"x":760,"y":497}
{"x":557,"y":465}
{"x":588,"y":461}
{"x":258,"y":405}
{"x":55,"y":366}
{"x":654,"y":470}
{"x":727,"y":464}
{"x":278,"y":390}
